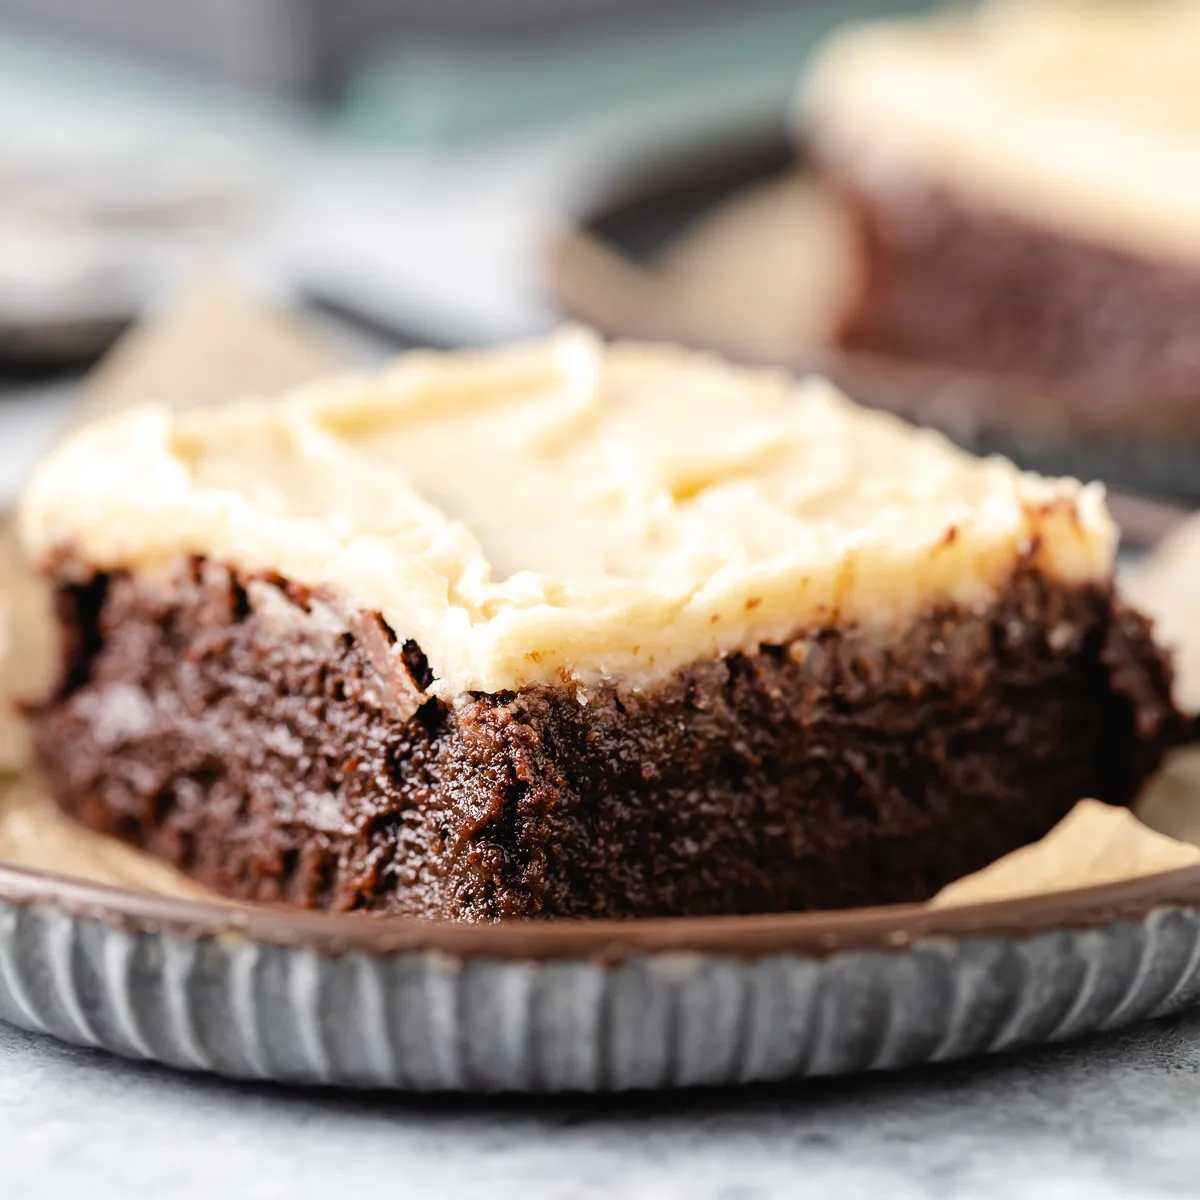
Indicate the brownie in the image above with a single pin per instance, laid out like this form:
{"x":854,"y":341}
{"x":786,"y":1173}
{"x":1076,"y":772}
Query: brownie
{"x":827,"y":771}
{"x":826,"y":660}
{"x":1014,"y":181}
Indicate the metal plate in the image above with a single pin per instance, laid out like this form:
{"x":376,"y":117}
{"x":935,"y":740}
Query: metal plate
{"x":259,"y":993}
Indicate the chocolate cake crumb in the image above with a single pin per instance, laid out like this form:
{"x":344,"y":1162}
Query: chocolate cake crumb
{"x":229,"y":725}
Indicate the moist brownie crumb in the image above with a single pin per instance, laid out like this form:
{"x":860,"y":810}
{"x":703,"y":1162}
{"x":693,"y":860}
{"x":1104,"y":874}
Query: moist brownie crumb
{"x":236,"y":726}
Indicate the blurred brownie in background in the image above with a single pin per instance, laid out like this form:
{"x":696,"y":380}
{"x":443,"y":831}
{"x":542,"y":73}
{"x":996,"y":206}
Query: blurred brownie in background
{"x":1024,"y":188}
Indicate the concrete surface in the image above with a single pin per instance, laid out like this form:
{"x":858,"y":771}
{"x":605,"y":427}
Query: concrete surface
{"x":1119,"y":1116}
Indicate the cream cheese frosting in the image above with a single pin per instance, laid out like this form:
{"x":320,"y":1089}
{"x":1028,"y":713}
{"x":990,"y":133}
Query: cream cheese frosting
{"x":568,"y":512}
{"x":1081,"y":115}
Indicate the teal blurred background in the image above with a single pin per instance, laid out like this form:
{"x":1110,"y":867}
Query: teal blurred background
{"x":455,"y":69}
{"x":401,"y":160}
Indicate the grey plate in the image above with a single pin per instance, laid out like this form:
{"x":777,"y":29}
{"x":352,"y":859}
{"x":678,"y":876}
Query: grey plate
{"x":354,"y":1001}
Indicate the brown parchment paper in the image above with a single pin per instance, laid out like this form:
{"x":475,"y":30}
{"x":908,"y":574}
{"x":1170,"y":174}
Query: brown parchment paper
{"x":212,"y":342}
{"x":215,"y":343}
{"x":763,"y":277}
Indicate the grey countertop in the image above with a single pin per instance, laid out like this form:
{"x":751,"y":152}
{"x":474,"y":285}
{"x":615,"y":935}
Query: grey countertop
{"x":1118,"y":1116}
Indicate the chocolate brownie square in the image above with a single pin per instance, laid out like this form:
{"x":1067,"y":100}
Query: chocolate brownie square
{"x":578,"y":630}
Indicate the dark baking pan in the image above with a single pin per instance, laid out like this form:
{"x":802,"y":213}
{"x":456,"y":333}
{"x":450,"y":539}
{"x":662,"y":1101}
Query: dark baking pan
{"x":259,"y":993}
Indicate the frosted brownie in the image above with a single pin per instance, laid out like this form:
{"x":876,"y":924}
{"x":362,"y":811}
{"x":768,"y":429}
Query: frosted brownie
{"x":570,"y":630}
{"x":1025,"y":184}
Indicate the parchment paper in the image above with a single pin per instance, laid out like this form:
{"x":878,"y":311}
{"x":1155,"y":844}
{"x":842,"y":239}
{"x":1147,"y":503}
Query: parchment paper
{"x":215,"y":343}
{"x":763,"y":277}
